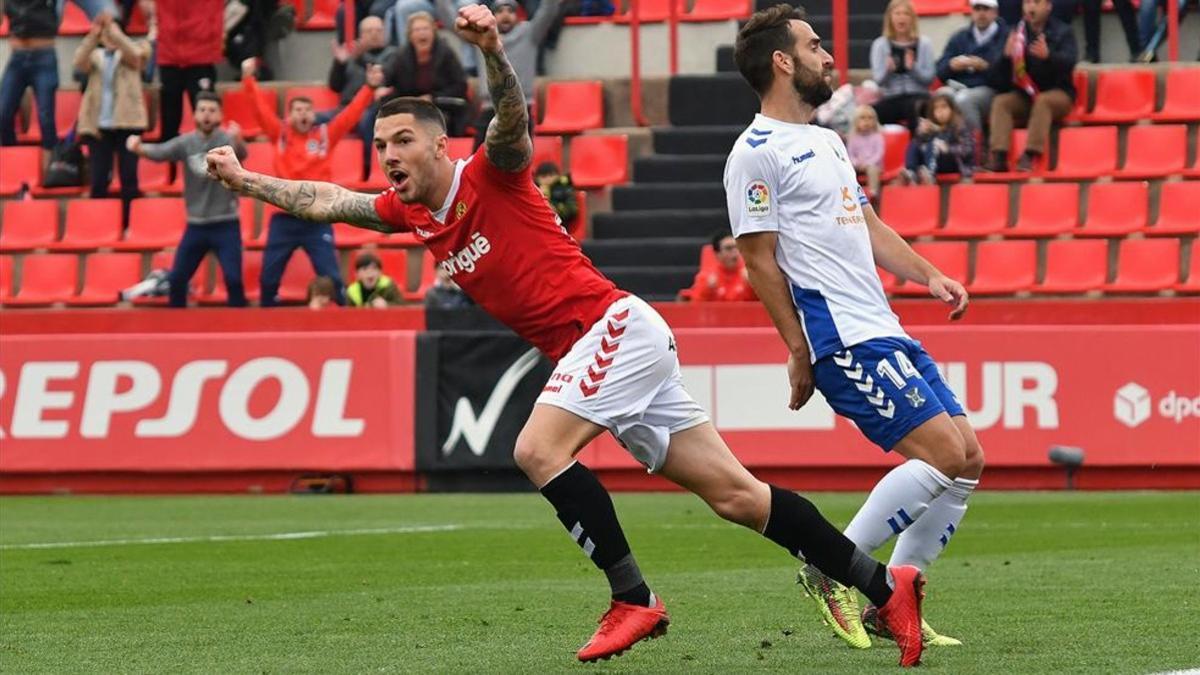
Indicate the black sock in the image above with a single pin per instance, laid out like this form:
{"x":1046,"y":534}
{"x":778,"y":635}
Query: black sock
{"x":585,"y":509}
{"x":797,"y":525}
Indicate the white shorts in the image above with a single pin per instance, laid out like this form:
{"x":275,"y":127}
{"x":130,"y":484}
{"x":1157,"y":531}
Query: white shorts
{"x":623,"y":374}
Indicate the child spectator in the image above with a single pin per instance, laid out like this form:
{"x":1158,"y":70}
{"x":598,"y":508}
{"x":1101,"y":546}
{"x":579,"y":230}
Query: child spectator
{"x":865,"y":145}
{"x":559,"y":191}
{"x":320,"y":293}
{"x":944,"y":143}
{"x":727,"y":281}
{"x":371,"y":287}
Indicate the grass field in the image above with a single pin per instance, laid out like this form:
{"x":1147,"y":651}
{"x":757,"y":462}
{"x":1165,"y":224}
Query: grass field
{"x":1033,"y":582}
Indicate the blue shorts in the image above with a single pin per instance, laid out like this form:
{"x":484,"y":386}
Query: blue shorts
{"x":886,"y":386}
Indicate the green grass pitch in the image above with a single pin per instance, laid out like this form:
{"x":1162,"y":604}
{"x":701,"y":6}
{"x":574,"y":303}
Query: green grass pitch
{"x":1033,"y":582}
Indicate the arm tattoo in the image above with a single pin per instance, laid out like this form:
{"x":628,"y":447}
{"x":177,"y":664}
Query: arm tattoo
{"x":319,"y":202}
{"x":508,"y":144}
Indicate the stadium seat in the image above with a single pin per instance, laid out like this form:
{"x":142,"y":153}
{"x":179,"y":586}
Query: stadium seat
{"x":649,"y":11}
{"x":66,"y":112}
{"x":74,"y":21}
{"x":598,"y":161}
{"x":322,"y":17}
{"x":1115,"y":209}
{"x":1004,"y":267}
{"x":323,"y":98}
{"x":976,"y":211}
{"x":260,"y":157}
{"x":1178,"y":211}
{"x":165,"y":260}
{"x":895,"y":143}
{"x":950,"y":257}
{"x":375,"y":178}
{"x":22,"y":165}
{"x":1016,"y":146}
{"x":1074,"y":266}
{"x":428,"y":275}
{"x":1189,"y":285}
{"x":238,"y":107}
{"x":718,"y":10}
{"x":1122,"y":96}
{"x":253,"y":236}
{"x":46,"y":279}
{"x":573,"y":107}
{"x":938,"y":7}
{"x":888,"y":280}
{"x":1182,"y":100}
{"x":154,"y":223}
{"x":1145,"y":266}
{"x":1154,"y":151}
{"x":346,"y":163}
{"x":578,"y":227}
{"x":105,"y":275}
{"x":298,"y":274}
{"x":91,"y":224}
{"x":911,"y":210}
{"x":458,"y":148}
{"x":1080,"y":107}
{"x":547,"y":149}
{"x":349,"y":236}
{"x":1085,"y":153}
{"x":155,"y":178}
{"x":1193,"y":171}
{"x":1046,"y":210}
{"x":6,"y":276}
{"x":28,"y":224}
{"x":251,"y":276}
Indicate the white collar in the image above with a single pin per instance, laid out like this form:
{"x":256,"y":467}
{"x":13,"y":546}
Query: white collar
{"x":440,"y":214}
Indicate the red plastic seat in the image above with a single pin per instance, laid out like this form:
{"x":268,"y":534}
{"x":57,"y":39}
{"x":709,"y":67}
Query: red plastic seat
{"x":1080,"y":107}
{"x":1178,"y":211}
{"x":1189,"y":285}
{"x":1004,"y":267}
{"x":938,"y":7}
{"x":1182,"y":101}
{"x":46,"y":279}
{"x":260,"y":157}
{"x":1145,"y":266}
{"x":66,"y":112}
{"x":547,"y":149}
{"x":718,"y":10}
{"x":91,"y":224}
{"x":349,"y":236}
{"x":28,"y":225}
{"x":375,"y":178}
{"x":1125,"y":95}
{"x":949,"y":257}
{"x":598,"y":161}
{"x":895,"y":143}
{"x":428,"y":276}
{"x":237,"y":106}
{"x":911,"y":211}
{"x":155,"y":178}
{"x":346,"y":162}
{"x":74,"y":21}
{"x":459,"y":148}
{"x":1193,"y":171}
{"x":976,"y":211}
{"x":322,"y":17}
{"x":1046,"y":210}
{"x":252,"y":235}
{"x":889,"y":281}
{"x":323,"y":98}
{"x":165,"y":260}
{"x":154,"y":223}
{"x":1016,"y":146}
{"x":293,"y":286}
{"x":6,"y":276}
{"x":649,"y":11}
{"x":21,"y":164}
{"x":1085,"y":152}
{"x":573,"y":107}
{"x":1115,"y":209}
{"x":1154,"y":151}
{"x":105,"y":275}
{"x":1074,"y":266}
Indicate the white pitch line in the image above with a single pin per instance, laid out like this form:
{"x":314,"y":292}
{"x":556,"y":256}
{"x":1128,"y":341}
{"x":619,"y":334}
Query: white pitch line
{"x":278,"y":536}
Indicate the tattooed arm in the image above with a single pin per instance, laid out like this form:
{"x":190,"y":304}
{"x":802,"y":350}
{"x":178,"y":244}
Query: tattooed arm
{"x":508,"y":144}
{"x":311,"y":200}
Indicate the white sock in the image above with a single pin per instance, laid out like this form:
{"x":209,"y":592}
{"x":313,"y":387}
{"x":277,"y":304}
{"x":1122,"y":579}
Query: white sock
{"x":922,"y":543}
{"x":896,"y":503}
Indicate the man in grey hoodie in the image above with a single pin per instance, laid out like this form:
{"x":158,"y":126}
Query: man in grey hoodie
{"x":212,"y":211}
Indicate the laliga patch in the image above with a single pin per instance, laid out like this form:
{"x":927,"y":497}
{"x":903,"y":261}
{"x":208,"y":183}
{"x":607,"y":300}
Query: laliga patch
{"x":758,"y":199}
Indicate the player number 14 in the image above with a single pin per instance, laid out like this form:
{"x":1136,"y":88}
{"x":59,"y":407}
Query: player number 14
{"x":907,"y":371}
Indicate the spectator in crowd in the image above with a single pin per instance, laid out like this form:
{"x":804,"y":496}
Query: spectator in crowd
{"x":348,"y":74}
{"x":902,"y":64}
{"x":521,"y":42}
{"x":320,"y":293}
{"x":362,"y":9}
{"x":371,"y":287}
{"x":398,"y":16}
{"x":426,"y":67}
{"x":969,"y":55}
{"x":1063,"y":10}
{"x":302,"y":151}
{"x":212,"y":211}
{"x":1034,"y":78}
{"x":190,"y":40}
{"x":865,"y":145}
{"x":559,"y":191}
{"x":252,"y":26}
{"x":445,"y":294}
{"x":944,"y":143}
{"x":1129,"y":25}
{"x":727,"y":282}
{"x":32,"y":63}
{"x":112,"y":108}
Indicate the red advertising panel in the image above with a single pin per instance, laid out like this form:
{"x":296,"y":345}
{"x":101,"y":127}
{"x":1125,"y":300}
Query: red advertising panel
{"x":1128,"y":396}
{"x":335,"y":401}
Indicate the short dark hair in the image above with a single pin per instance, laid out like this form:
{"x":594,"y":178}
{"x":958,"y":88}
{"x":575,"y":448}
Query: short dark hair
{"x":545,"y":169}
{"x":718,"y":237}
{"x":210,"y":96}
{"x":366,"y":260}
{"x":322,"y":286}
{"x":299,"y":99}
{"x":765,"y":33}
{"x":419,"y":108}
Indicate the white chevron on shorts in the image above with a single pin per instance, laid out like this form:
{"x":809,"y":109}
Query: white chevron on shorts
{"x":843,"y":358}
{"x":864,"y":383}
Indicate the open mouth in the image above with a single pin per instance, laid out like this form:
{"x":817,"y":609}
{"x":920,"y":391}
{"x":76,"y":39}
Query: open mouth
{"x":399,"y":178}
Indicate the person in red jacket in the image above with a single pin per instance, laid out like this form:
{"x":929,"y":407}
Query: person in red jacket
{"x":302,"y":151}
{"x":727,"y":280}
{"x":190,"y":42}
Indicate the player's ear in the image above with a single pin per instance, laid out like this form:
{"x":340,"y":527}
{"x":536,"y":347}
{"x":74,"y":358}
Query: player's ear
{"x":441,"y":144}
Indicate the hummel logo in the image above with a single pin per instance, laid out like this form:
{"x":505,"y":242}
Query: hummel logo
{"x":477,"y":431}
{"x":802,"y":158}
{"x":755,"y":142}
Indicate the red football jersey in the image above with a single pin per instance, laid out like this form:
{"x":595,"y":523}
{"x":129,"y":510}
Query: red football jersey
{"x":501,"y":242}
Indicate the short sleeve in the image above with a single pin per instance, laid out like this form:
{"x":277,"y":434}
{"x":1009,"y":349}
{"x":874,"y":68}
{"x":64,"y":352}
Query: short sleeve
{"x":392,"y":212}
{"x":752,"y":190}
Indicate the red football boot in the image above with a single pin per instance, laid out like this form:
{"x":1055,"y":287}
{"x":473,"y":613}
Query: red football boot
{"x":623,"y":625}
{"x":902,"y":613}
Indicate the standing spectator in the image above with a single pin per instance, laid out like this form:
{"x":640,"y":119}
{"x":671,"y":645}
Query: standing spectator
{"x":969,"y":54}
{"x":944,"y":143}
{"x":1129,"y":25}
{"x":348,"y":74}
{"x":112,"y":108}
{"x":371,"y":287}
{"x":426,"y":67}
{"x":190,"y":34}
{"x":902,"y":64}
{"x":559,"y":191}
{"x":521,"y":42}
{"x":212,"y":210}
{"x":865,"y":146}
{"x":727,"y":282}
{"x":302,"y":151}
{"x":1034,"y":76}
{"x":32,"y":63}
{"x":397,"y":19}
{"x":445,"y":294}
{"x":320,"y":293}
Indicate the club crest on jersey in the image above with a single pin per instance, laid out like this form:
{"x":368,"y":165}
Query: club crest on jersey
{"x":849,"y":203}
{"x":758,"y":199}
{"x":460,"y":210}
{"x":464,"y":259}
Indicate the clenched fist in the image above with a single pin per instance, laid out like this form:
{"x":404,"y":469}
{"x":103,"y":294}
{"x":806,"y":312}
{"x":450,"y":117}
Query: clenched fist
{"x":224,"y":167}
{"x":476,"y":24}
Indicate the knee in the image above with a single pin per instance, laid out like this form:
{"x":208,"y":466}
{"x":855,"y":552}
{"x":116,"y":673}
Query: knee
{"x":973,"y":459}
{"x":948,"y":453}
{"x":536,"y":458}
{"x":746,"y":505}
